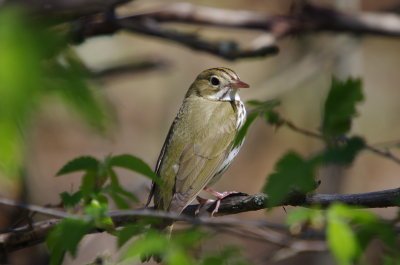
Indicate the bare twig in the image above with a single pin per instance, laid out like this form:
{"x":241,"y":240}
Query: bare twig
{"x":137,"y":67}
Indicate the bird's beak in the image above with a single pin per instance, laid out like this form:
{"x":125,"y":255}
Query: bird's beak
{"x":239,"y":84}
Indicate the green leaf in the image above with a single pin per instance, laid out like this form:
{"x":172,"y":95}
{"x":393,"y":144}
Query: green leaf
{"x":65,"y":237}
{"x":69,"y":200}
{"x":340,"y":106}
{"x":344,"y":153}
{"x":88,"y":186}
{"x":292,"y":173}
{"x":342,"y":242}
{"x":243,"y":130}
{"x":135,"y":164}
{"x":83,"y":163}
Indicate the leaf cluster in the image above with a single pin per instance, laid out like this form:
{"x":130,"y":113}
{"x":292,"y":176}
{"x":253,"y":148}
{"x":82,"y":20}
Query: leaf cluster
{"x":99,"y":183}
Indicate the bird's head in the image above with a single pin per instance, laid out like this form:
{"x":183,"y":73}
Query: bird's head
{"x":217,"y":84}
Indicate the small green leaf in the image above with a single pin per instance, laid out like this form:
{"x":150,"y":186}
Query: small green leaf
{"x":243,"y":130}
{"x":69,"y":200}
{"x":65,"y":237}
{"x":340,"y":106}
{"x":292,"y":173}
{"x":135,"y":164}
{"x":83,"y":163}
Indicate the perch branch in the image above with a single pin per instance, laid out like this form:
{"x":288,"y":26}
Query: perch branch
{"x":31,"y":235}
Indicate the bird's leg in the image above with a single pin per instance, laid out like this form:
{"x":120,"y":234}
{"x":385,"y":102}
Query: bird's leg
{"x":219,"y":196}
{"x":202,"y":202}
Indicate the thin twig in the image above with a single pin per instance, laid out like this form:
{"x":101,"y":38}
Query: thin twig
{"x":294,"y":127}
{"x":34,"y":208}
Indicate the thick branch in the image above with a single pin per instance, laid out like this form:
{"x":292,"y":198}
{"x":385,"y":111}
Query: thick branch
{"x":27,"y":236}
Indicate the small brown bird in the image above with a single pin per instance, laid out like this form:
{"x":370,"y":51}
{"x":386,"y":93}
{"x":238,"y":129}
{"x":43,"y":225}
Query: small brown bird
{"x":200,"y":143}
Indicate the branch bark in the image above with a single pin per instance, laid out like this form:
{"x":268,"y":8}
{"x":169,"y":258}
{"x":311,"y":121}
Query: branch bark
{"x":31,"y":235}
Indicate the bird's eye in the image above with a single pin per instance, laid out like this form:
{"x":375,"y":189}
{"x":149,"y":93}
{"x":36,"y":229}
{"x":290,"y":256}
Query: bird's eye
{"x":214,"y":81}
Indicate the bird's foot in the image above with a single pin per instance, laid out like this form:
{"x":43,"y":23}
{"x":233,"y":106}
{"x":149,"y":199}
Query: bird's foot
{"x":219,"y":196}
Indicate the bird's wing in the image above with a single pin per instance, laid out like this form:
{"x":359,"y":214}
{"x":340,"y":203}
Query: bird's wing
{"x":201,"y":158}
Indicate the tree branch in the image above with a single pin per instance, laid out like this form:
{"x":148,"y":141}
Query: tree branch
{"x":31,"y":235}
{"x":273,"y":27}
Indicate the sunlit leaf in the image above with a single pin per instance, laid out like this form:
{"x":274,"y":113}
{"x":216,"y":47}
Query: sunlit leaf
{"x":342,"y":242}
{"x":340,"y":106}
{"x":341,"y":239}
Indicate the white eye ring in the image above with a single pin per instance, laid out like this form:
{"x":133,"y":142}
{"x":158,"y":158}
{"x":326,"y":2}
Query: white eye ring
{"x":214,"y":81}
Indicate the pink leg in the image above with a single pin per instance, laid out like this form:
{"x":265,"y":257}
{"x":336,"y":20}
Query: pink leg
{"x":220,"y":196}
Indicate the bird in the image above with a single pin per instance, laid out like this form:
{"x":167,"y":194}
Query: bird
{"x":200,"y":144}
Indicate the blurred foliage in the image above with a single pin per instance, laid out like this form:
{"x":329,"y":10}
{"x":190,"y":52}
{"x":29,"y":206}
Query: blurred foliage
{"x":35,"y":61}
{"x":349,"y":231}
